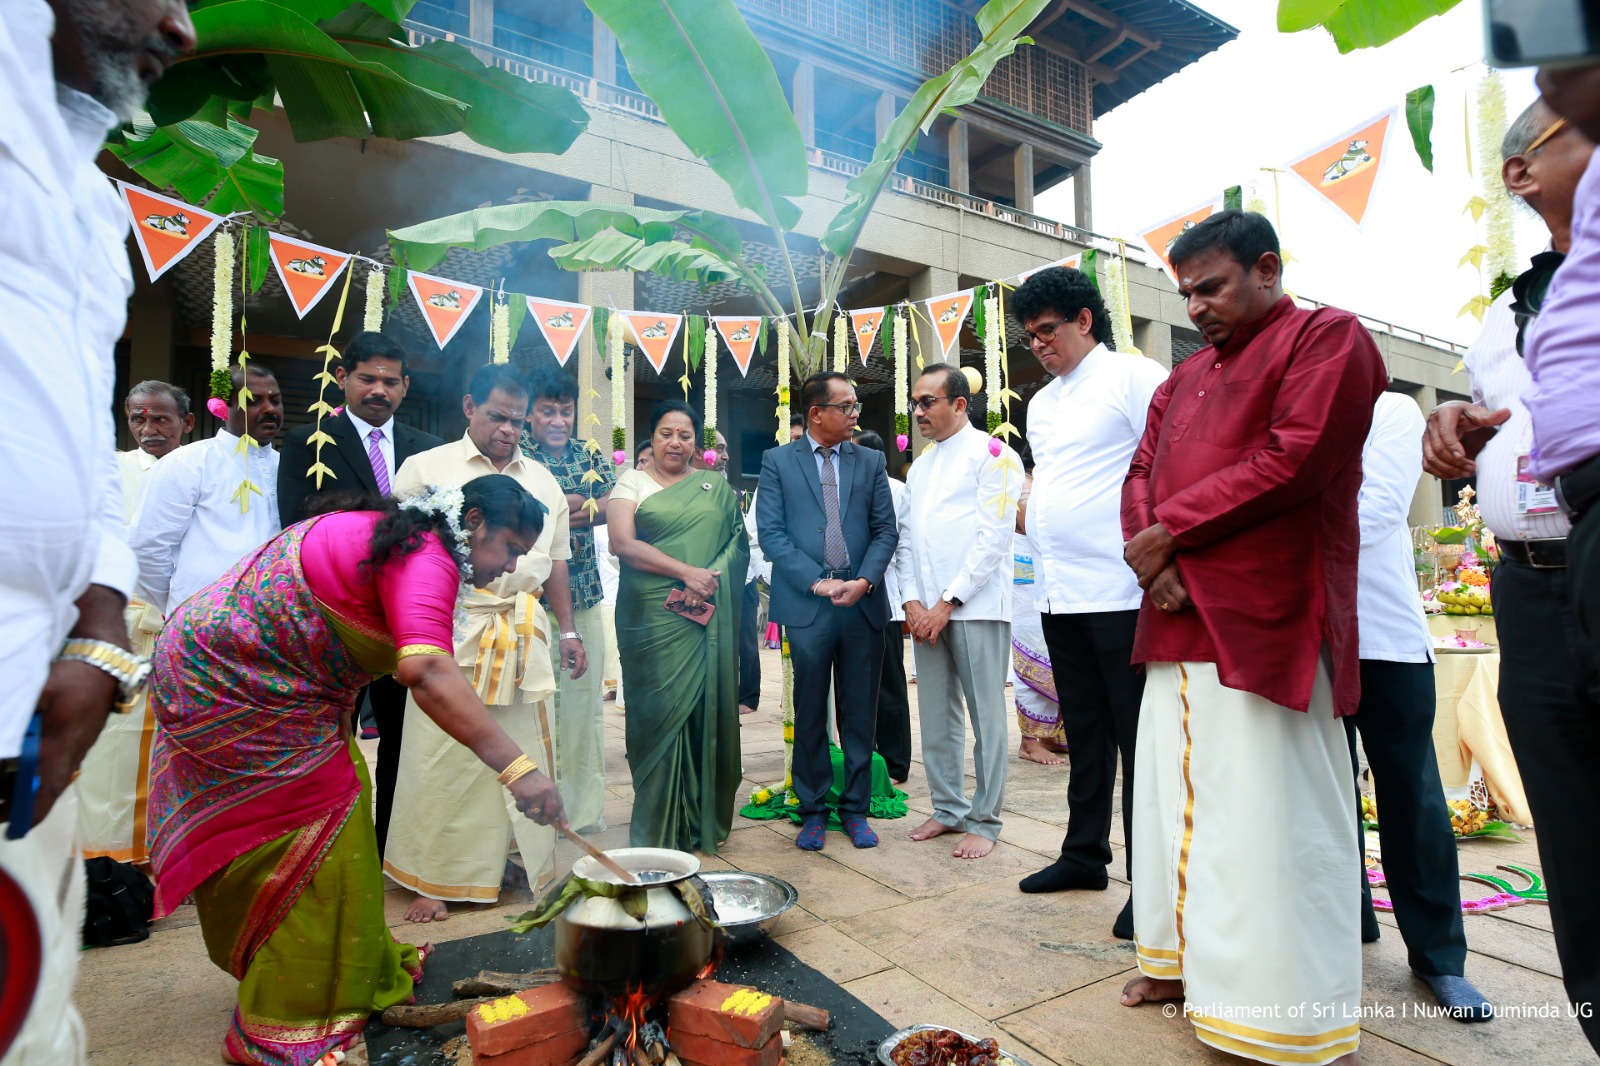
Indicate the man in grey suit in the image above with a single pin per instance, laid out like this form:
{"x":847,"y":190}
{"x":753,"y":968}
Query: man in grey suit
{"x":369,"y":446}
{"x":827,"y":526}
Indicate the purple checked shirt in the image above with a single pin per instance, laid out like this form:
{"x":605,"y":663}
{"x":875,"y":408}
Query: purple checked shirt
{"x":1563,"y":346}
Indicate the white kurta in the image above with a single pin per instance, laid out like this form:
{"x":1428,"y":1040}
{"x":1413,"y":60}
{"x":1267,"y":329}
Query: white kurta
{"x":1388,"y":605}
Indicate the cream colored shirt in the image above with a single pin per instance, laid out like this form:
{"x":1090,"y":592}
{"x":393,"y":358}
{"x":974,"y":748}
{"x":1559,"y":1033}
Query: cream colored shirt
{"x":635,"y":486}
{"x":134,"y":465}
{"x":459,"y":462}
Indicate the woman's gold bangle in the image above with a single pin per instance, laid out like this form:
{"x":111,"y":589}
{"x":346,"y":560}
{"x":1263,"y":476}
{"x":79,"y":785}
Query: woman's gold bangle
{"x":521,"y":766}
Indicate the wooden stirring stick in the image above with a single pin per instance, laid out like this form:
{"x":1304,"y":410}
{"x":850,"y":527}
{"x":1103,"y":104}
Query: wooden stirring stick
{"x":628,"y":876}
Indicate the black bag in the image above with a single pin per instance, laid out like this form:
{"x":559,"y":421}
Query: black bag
{"x":120,"y":904}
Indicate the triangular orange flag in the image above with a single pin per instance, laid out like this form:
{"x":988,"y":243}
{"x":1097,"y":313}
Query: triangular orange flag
{"x":654,"y":335}
{"x":865,"y":324}
{"x":165,"y":229}
{"x":948,"y":312}
{"x":1070,"y":262}
{"x":445,"y":304}
{"x":1159,"y":239}
{"x":1346,"y":168}
{"x":561,"y":323}
{"x":740,"y":335}
{"x":306,"y":270}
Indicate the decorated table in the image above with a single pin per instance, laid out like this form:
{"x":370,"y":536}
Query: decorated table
{"x":1469,"y":736}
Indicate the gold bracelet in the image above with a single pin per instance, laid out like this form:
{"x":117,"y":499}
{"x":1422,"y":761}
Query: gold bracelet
{"x":521,"y":766}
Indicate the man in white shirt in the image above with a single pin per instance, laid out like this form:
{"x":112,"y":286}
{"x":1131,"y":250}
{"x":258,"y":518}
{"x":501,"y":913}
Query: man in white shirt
{"x":1395,"y":718}
{"x":957,"y":590}
{"x":205,"y":507}
{"x":69,"y":72}
{"x":114,"y":782}
{"x":159,"y":416}
{"x":893,"y":739}
{"x":1083,"y":428}
{"x":1549,"y":676}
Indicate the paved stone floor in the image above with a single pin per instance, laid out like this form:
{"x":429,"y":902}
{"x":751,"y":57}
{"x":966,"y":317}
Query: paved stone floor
{"x":923,"y":937}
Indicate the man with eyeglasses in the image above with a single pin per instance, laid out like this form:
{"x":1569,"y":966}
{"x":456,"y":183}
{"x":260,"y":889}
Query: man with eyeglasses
{"x":827,"y":527}
{"x":1549,"y":674}
{"x":1083,"y":427}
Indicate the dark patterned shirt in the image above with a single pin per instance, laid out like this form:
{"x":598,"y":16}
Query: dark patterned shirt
{"x":569,"y":467}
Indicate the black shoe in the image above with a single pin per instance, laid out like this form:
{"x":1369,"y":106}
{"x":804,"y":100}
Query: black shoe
{"x":1061,"y":875}
{"x":1370,"y":930}
{"x":1122,"y":928}
{"x":1459,"y":998}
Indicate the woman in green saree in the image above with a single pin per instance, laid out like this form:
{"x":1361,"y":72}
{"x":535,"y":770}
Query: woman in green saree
{"x":678,"y":527}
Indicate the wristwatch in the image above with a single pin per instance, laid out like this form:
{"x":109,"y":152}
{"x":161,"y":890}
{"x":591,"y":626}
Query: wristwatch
{"x":572,"y":636}
{"x":130,"y":671}
{"x":954,"y":601}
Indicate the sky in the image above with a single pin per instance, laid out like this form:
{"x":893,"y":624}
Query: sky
{"x":1268,"y":98}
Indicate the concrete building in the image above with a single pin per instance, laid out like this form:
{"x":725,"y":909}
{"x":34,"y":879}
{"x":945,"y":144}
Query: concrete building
{"x":959,"y":213}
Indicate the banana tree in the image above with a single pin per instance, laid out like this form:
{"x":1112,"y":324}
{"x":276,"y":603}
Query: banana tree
{"x":1359,"y":23}
{"x":339,"y":69}
{"x":701,"y":65}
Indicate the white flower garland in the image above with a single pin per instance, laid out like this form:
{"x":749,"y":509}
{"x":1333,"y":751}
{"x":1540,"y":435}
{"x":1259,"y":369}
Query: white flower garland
{"x":1499,"y":219}
{"x":500,"y":331}
{"x":446,"y":502}
{"x":709,"y":361}
{"x":1117,"y":307}
{"x":991,"y":360}
{"x":372,"y":315}
{"x":619,"y":389}
{"x":222,"y":305}
{"x":841,"y":344}
{"x":782,"y":326}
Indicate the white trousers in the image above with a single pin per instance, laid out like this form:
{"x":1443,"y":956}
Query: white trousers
{"x":47,"y":865}
{"x":580,"y":729}
{"x":1247,"y":865}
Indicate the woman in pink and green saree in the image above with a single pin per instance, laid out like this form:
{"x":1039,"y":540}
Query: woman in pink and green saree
{"x":259,"y":800}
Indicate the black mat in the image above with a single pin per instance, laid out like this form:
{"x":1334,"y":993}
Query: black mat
{"x":851,"y":1039}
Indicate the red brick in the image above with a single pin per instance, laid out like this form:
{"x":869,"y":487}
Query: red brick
{"x":698,"y":1010}
{"x":564,"y":1049}
{"x":550,"y":1010}
{"x":702,"y":1051}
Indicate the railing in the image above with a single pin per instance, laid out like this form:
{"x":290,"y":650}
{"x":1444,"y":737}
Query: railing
{"x":1378,"y":325}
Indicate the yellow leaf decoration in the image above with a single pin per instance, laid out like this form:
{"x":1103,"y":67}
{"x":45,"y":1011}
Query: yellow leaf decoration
{"x":593,"y":447}
{"x":1461,"y":364}
{"x":328,"y":351}
{"x":1474,"y":256}
{"x":321,"y":407}
{"x":241,"y":495}
{"x":1005,"y":429}
{"x":243,"y":447}
{"x":325,"y":377}
{"x":1010,"y":397}
{"x":1476,"y":206}
{"x":319,"y":469}
{"x":591,"y":476}
{"x":593,"y":419}
{"x":1477,"y":306}
{"x":591,"y":506}
{"x":320,"y":437}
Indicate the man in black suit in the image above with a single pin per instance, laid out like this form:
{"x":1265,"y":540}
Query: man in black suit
{"x":827,"y":526}
{"x":369,"y":446}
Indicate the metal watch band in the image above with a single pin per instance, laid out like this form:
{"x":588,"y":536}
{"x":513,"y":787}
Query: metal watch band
{"x":129,"y":670}
{"x":572,"y":636}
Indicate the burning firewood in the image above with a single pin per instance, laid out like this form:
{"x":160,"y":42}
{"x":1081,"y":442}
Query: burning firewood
{"x":427,"y":1015}
{"x":601,"y":1052}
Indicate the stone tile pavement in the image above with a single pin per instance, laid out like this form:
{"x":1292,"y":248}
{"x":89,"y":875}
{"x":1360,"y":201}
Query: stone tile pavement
{"x":921,"y":936}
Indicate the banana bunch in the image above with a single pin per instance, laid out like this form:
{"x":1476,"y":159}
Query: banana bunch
{"x":1369,"y":810}
{"x":1466,"y":819}
{"x":1466,"y":599}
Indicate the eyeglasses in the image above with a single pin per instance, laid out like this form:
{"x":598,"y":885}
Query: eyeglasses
{"x":925,"y":403}
{"x":844,"y":408}
{"x":1555,"y":127}
{"x":1044,"y":333}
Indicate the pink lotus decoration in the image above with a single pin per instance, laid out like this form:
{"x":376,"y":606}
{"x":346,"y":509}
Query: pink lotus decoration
{"x":620,"y":457}
{"x":710,"y":456}
{"x":218,"y":408}
{"x":995,"y":446}
{"x":902,"y":441}
{"x":337,"y":411}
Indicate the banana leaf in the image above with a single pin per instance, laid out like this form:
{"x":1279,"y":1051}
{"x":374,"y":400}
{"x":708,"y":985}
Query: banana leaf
{"x":669,"y":259}
{"x":1359,"y":23}
{"x":425,"y":244}
{"x":210,"y":165}
{"x":699,"y":63}
{"x":1000,"y":22}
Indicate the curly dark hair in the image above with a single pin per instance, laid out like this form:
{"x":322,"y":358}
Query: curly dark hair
{"x":1245,"y":235}
{"x":1063,"y":291}
{"x":504,"y":503}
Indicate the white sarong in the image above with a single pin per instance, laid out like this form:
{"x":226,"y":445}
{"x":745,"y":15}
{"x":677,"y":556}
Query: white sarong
{"x":1247,"y":866}
{"x":114,"y":783}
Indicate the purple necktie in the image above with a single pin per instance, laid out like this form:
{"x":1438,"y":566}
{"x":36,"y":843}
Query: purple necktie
{"x":380,"y":469}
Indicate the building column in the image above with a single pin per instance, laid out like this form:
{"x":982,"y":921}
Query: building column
{"x":1083,"y":217}
{"x":805,"y":102}
{"x":1154,"y":339}
{"x":956,"y":138}
{"x":885,"y":113}
{"x":605,"y":53}
{"x":1022,"y":177}
{"x":610,"y":289}
{"x":480,"y":26}
{"x":925,"y":285}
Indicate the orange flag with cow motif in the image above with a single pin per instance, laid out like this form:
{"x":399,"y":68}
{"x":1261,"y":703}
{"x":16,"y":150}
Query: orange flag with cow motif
{"x":948,"y":313}
{"x":165,"y":229}
{"x":1070,"y":263}
{"x":561,"y":323}
{"x":306,"y":270}
{"x":445,"y":304}
{"x":1346,"y":168}
{"x":1159,"y":239}
{"x":740,"y":335}
{"x":654,"y":335}
{"x":865,"y":324}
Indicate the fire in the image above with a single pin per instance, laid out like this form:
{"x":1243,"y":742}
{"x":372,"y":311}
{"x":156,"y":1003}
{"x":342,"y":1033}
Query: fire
{"x":630,"y":1010}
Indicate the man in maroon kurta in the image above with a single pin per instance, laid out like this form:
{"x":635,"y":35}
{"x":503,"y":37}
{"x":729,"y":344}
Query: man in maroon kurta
{"x":1240,"y":514}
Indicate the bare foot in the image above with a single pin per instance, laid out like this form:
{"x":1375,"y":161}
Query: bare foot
{"x":228,"y":1056}
{"x":1352,"y":1059}
{"x":1034,"y":750}
{"x":973,"y":846}
{"x":1144,"y":989}
{"x":930,"y":829}
{"x":746,"y":710}
{"x":424,"y":909}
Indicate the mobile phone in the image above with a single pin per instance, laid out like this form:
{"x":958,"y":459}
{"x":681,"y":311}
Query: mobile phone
{"x":1541,"y":33}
